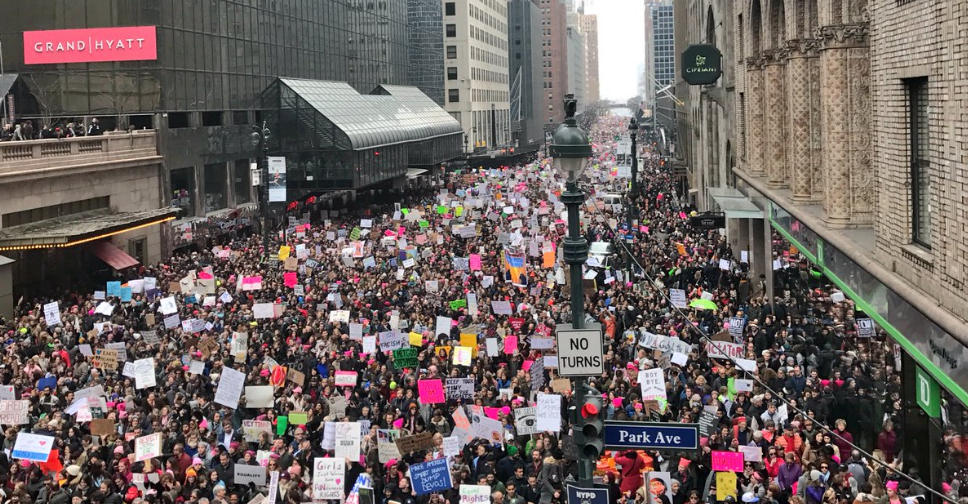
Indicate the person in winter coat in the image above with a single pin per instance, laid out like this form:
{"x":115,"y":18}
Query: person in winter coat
{"x":552,"y":480}
{"x":789,"y":473}
{"x":632,"y":466}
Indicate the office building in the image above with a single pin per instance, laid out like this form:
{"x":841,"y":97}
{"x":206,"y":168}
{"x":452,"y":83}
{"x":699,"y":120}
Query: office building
{"x":554,"y":55}
{"x":426,"y":49}
{"x":476,"y":67}
{"x":524,"y":37}
{"x":589,"y":26}
{"x":576,"y":52}
{"x":663,"y":50}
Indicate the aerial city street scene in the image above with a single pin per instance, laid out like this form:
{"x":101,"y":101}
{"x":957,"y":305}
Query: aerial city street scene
{"x":483,"y":252}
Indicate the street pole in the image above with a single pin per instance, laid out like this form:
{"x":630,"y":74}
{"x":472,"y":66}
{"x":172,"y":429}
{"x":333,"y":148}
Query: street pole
{"x":265,"y":197}
{"x":632,"y":194}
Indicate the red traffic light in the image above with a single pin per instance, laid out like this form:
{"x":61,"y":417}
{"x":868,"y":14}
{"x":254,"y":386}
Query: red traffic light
{"x":589,"y":410}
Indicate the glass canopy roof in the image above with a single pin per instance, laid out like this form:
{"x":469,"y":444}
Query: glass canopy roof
{"x":391,"y":115}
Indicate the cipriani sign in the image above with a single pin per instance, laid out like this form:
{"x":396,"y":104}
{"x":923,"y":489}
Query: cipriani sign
{"x":130,"y":43}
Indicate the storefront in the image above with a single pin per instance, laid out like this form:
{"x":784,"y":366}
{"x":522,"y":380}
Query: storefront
{"x":931,"y":361}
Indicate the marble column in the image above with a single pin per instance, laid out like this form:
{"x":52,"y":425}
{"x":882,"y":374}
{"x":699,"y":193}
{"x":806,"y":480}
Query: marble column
{"x":775,"y":83}
{"x":848,"y":191}
{"x":804,"y":145}
{"x":756,"y":142}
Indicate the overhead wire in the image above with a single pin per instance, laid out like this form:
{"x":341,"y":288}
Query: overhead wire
{"x":708,"y":340}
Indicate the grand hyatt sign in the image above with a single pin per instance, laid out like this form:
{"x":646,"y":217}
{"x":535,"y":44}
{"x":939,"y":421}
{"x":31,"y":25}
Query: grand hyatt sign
{"x":131,"y":43}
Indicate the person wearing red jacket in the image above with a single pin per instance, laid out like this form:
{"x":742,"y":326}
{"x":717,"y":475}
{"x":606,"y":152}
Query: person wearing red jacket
{"x":632,"y":466}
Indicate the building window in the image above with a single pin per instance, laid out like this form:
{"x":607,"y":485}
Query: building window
{"x":451,"y":52}
{"x":138,"y":248}
{"x":183,"y":189}
{"x":451,"y":30}
{"x":243,"y":181}
{"x":215,"y":187}
{"x":453,"y":95}
{"x":450,"y":9}
{"x":917,"y":92}
{"x":451,"y":73}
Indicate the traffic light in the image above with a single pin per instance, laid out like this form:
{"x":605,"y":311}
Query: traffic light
{"x":593,"y":425}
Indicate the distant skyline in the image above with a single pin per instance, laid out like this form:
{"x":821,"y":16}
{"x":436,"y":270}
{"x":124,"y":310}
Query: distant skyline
{"x":621,"y":46}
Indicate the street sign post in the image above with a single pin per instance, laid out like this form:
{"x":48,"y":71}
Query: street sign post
{"x":651,"y":436}
{"x":579,"y":351}
{"x":587,"y":495}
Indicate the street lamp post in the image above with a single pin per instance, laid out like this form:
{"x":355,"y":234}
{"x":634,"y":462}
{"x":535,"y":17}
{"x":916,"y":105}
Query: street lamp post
{"x":632,"y":194}
{"x":260,"y":138}
{"x":570,"y":149}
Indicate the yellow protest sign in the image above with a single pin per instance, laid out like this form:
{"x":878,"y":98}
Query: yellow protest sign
{"x":284,"y":251}
{"x":725,"y":485}
{"x":469,"y":340}
{"x":462,"y":356}
{"x":416,"y":339}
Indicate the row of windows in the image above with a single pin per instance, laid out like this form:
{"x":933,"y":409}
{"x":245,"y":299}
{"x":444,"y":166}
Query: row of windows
{"x":489,"y":20}
{"x":485,"y":56}
{"x":488,"y":95}
{"x":499,"y":7}
{"x":488,"y":38}
{"x":55,"y":211}
{"x":488,"y":75}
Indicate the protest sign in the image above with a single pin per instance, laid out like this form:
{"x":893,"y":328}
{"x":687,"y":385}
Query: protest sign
{"x":460,"y":388}
{"x":147,"y":447}
{"x":433,"y":476}
{"x":421,"y":441}
{"x":475,"y":494}
{"x":652,"y":383}
{"x":259,"y":396}
{"x":525,"y":421}
{"x":105,"y":359}
{"x":346,"y":378}
{"x":548,"y":413}
{"x":392,"y":340}
{"x":230,"y":387}
{"x":245,"y":474}
{"x":14,"y":412}
{"x":33,"y":447}
{"x":405,"y":358}
{"x":452,"y":446}
{"x":724,"y":350}
{"x":328,"y":474}
{"x":431,"y":391}
{"x":727,"y":461}
{"x":144,"y":373}
{"x":725,"y":485}
{"x":240,"y":345}
{"x":386,"y":444}
{"x":52,"y":314}
{"x":348,"y":440}
{"x":102,"y":426}
{"x":751,"y":453}
{"x":252,"y":429}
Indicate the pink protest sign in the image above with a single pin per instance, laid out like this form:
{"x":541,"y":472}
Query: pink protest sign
{"x":727,"y":461}
{"x":252,"y":283}
{"x":346,"y":378}
{"x":431,"y":391}
{"x":491,"y":412}
{"x":290,"y":278}
{"x":475,"y":262}
{"x":510,"y":344}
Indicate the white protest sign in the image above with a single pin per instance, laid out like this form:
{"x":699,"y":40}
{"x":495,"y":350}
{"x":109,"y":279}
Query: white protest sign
{"x":328,"y":474}
{"x":33,"y":447}
{"x":144,"y":373}
{"x":230,"y":387}
{"x":147,"y":447}
{"x":348,"y":440}
{"x":653,"y":384}
{"x":14,"y":412}
{"x":52,"y":314}
{"x":475,"y":494}
{"x":548,"y":413}
{"x":245,"y":474}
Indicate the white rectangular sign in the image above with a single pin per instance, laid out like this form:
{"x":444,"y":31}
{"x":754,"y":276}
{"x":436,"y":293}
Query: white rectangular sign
{"x":579,"y":351}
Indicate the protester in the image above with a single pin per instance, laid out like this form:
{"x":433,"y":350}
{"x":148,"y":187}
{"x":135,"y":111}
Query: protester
{"x":241,"y":358}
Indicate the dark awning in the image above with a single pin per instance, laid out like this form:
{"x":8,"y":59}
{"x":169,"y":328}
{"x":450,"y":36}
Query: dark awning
{"x":113,"y":256}
{"x":79,"y":228}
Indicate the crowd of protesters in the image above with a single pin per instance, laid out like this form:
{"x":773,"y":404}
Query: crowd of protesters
{"x":807,"y":353}
{"x":25,"y":130}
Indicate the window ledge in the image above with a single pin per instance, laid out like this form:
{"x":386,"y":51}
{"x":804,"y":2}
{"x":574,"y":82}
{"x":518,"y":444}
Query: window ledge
{"x":918,"y":254}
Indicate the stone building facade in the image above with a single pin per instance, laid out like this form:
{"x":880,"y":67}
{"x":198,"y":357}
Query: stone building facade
{"x":844,"y":134}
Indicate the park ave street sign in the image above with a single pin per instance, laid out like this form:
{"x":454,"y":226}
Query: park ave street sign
{"x":579,"y":351}
{"x":651,"y":436}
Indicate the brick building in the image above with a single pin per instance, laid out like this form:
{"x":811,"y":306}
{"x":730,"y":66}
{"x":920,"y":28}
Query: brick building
{"x":844,"y":136}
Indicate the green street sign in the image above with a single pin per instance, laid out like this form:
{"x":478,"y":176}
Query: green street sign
{"x":928,"y":393}
{"x":702,"y":64}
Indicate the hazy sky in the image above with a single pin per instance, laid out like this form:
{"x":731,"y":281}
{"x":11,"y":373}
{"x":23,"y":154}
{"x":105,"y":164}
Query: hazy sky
{"x":621,"y":45}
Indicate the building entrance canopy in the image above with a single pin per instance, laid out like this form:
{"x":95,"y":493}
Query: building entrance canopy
{"x":78,"y":229}
{"x":734,"y":204}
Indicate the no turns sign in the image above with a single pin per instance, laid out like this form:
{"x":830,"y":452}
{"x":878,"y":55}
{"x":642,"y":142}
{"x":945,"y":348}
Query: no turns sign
{"x":579,"y":351}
